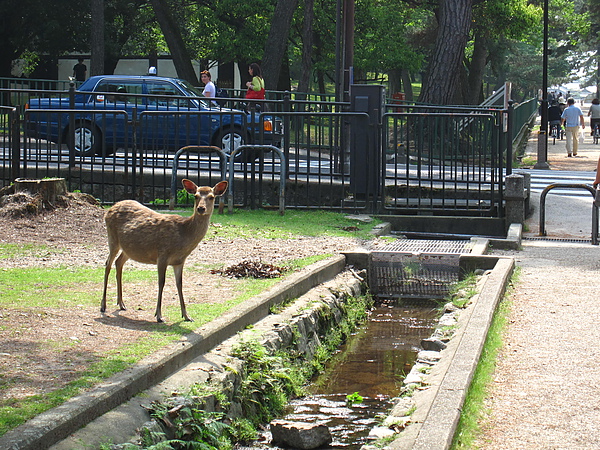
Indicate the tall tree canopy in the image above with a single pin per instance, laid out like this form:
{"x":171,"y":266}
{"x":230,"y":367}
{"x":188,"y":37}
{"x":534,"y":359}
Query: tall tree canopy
{"x":456,"y":46}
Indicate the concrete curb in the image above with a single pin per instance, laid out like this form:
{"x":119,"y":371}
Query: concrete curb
{"x":56,"y":424}
{"x":513,"y":239}
{"x":439,"y":407}
{"x":440,"y":425}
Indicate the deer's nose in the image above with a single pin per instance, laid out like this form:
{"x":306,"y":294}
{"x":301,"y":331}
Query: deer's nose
{"x":201,"y":209}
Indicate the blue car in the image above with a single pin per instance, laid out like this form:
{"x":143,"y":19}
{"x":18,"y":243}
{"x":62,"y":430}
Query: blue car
{"x":148,"y":112}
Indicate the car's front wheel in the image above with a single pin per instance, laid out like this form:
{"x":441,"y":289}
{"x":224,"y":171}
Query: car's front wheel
{"x":229,"y":140}
{"x":87,"y":140}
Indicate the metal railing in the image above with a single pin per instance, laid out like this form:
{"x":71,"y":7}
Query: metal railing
{"x":444,"y":161}
{"x":586,"y":187}
{"x":405,"y":160}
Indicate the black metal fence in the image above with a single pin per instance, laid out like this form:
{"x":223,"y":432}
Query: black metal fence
{"x":396,"y":159}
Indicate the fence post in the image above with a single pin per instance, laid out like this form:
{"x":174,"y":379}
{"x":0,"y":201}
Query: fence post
{"x":509,"y":140}
{"x":71,"y":136}
{"x":15,"y":127}
{"x":287,"y":107}
{"x":515,"y":197}
{"x":365,"y":154}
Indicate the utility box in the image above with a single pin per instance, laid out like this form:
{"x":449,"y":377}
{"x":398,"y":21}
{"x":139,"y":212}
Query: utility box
{"x":365,"y":145}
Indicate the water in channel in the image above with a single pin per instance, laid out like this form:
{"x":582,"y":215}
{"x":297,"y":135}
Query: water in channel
{"x":372,"y":363}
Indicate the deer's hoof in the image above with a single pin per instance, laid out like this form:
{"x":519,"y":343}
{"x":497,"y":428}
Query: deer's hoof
{"x":188,"y":319}
{"x":160,"y":320}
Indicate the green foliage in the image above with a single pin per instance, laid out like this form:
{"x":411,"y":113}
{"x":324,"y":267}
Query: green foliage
{"x":383,"y":36}
{"x":192,"y":428}
{"x":353,"y":399}
{"x":243,"y":431}
{"x":184,"y":198}
{"x":269,"y":382}
{"x":460,"y":293}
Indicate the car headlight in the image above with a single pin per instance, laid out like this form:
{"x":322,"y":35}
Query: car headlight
{"x":267,"y":125}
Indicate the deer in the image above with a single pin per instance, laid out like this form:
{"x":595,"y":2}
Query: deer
{"x":149,"y":237}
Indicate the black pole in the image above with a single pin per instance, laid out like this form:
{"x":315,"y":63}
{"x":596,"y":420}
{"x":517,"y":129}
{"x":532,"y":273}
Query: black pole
{"x":542,"y":150}
{"x":544,"y":127}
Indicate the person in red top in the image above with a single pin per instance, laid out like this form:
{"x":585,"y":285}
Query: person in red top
{"x":256,"y":87}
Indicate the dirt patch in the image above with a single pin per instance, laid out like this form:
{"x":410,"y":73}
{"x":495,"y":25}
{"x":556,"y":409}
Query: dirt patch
{"x":43,"y":349}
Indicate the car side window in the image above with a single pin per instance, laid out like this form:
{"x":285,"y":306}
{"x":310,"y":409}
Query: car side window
{"x":120,"y":92}
{"x":167,"y":93}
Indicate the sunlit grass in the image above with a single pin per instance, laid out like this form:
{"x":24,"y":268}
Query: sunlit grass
{"x":57,"y":287}
{"x":10,"y":251}
{"x":62,"y":288}
{"x":266,"y":224}
{"x":475,"y":411}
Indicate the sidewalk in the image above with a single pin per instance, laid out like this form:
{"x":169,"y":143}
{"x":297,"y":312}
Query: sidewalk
{"x":566,"y":217}
{"x":546,"y":390}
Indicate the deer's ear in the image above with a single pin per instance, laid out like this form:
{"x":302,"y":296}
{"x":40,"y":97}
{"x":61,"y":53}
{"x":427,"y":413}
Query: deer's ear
{"x":220,"y":188}
{"x":189,"y":186}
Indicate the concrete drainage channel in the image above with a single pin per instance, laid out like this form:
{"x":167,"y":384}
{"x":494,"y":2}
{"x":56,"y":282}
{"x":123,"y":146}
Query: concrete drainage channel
{"x":113,"y":411}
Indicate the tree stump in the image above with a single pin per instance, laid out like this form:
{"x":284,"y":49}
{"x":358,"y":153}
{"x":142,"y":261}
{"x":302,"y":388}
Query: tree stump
{"x":48,"y":188}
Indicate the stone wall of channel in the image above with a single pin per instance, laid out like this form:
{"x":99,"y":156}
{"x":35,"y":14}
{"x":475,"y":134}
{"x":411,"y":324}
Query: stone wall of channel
{"x":300,"y":328}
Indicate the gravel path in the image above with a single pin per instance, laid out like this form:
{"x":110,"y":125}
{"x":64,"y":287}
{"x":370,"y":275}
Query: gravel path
{"x":546,"y":390}
{"x":545,"y":393}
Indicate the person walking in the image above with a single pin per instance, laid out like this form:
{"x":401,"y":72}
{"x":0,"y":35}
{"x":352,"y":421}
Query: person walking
{"x":256,"y":87}
{"x":594,"y":114}
{"x":80,"y":70}
{"x":572,"y":117}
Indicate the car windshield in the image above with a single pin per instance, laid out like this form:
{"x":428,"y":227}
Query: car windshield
{"x":191,"y":90}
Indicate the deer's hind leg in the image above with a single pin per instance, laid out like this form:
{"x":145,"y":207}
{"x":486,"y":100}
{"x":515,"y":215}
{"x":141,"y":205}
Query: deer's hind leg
{"x":113,"y":251}
{"x":121,"y":260}
{"x":161,"y":265}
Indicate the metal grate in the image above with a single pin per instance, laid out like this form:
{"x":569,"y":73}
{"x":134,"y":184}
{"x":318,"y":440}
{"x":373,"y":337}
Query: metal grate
{"x":552,"y":239}
{"x":416,"y":268}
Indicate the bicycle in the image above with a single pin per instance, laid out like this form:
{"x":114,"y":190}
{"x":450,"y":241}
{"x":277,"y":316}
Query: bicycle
{"x":556,"y":132}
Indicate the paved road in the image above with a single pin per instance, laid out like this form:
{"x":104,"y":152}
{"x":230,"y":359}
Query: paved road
{"x":579,"y":169}
{"x":540,"y":179}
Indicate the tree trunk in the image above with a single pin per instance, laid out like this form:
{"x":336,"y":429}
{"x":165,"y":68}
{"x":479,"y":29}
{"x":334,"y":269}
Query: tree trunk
{"x":277,"y":41}
{"x":97,"y":38}
{"x":307,"y":46}
{"x":395,"y":81}
{"x":478,"y":63}
{"x":444,"y":67}
{"x":181,"y":58}
{"x":407,"y":83}
{"x":48,"y":189}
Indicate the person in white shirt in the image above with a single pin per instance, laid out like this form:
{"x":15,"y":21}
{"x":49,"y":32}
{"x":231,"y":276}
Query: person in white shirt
{"x":209,"y":87}
{"x":572,"y":118}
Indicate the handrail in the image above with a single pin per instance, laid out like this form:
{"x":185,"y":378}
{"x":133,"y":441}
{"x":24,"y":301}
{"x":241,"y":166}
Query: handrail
{"x":569,"y":186}
{"x":282,"y":174}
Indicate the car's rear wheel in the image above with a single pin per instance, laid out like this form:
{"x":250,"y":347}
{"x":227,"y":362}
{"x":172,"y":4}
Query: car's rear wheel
{"x":87,"y":140}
